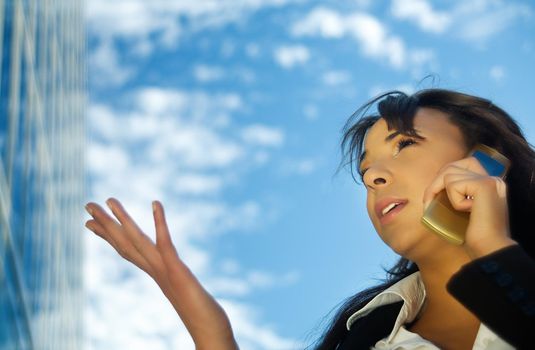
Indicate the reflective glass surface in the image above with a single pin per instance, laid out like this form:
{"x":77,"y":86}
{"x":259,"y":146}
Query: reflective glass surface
{"x":42,"y":130}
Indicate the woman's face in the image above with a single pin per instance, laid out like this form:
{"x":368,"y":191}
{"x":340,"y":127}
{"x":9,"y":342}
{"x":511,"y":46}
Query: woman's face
{"x":399,"y":170}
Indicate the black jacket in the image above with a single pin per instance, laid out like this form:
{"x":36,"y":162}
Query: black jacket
{"x":498,"y":288}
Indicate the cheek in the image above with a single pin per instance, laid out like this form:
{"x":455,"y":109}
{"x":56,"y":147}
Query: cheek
{"x":371,"y":215}
{"x":423,"y":173}
{"x":369,"y":208}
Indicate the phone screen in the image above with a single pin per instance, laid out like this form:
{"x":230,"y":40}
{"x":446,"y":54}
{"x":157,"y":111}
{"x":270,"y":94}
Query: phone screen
{"x":491,"y":165}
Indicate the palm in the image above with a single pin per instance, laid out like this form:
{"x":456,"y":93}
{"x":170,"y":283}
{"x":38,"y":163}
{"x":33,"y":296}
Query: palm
{"x":204,"y":318}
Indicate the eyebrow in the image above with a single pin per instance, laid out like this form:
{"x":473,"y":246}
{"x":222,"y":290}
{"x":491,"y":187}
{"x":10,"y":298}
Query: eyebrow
{"x":387,"y":139}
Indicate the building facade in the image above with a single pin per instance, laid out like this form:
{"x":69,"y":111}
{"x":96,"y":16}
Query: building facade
{"x":42,"y":138}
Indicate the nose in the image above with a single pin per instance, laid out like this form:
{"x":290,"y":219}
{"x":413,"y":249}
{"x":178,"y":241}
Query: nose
{"x":377,"y":177}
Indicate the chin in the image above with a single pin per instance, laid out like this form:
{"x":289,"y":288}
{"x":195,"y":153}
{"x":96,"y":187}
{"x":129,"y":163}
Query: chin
{"x":402,"y":248}
{"x":421,"y":246}
{"x":408,"y":245}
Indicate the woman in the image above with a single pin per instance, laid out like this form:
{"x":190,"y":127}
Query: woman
{"x":474,"y":296}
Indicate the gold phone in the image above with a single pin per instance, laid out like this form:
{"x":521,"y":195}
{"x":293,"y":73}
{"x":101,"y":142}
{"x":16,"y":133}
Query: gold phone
{"x":449,"y":223}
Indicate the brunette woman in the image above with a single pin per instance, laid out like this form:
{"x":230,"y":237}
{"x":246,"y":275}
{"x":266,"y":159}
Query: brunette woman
{"x":478,"y":295}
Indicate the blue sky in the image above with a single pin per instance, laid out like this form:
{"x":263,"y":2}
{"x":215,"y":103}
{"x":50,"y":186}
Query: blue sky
{"x":230,"y":112}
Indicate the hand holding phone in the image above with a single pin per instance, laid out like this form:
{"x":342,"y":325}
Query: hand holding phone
{"x":442,"y":218}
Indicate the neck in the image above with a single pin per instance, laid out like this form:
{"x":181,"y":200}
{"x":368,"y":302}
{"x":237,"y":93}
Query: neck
{"x":437,"y":269}
{"x":444,"y":319}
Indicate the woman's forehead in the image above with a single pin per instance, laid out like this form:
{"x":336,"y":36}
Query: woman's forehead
{"x":378,"y":129}
{"x":425,"y":121}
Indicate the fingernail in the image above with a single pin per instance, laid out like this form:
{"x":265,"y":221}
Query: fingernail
{"x":89,"y":210}
{"x":108,"y":203}
{"x":154,"y":206}
{"x":89,"y":226}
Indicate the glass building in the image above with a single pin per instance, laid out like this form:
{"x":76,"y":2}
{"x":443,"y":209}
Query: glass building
{"x":42,"y":131}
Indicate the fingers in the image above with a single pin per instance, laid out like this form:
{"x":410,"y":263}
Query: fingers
{"x":458,"y":190}
{"x":162,"y":231}
{"x":179,"y":275}
{"x":102,"y":224}
{"x":110,"y":230}
{"x":98,"y":229}
{"x":164,"y":243}
{"x":163,"y":238}
{"x":130,"y":242}
{"x":450,"y":175}
{"x":204,"y":318}
{"x":141,"y":241}
{"x":120,"y":213}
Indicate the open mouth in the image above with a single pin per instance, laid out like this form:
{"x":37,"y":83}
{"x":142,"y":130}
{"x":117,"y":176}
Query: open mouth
{"x":391,"y":211}
{"x":389,"y":208}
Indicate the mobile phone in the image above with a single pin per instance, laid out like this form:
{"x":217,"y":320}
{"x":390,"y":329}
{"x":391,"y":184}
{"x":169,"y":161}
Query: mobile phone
{"x":449,"y":223}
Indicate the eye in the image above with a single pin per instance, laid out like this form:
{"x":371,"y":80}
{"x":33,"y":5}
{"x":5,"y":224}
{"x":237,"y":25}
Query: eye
{"x":404,"y":143}
{"x":362,"y":174}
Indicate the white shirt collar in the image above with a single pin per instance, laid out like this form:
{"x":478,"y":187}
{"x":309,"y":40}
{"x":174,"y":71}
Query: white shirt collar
{"x":412,"y":291}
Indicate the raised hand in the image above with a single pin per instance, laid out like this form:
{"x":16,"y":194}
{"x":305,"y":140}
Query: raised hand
{"x":204,"y":318}
{"x":470,"y":188}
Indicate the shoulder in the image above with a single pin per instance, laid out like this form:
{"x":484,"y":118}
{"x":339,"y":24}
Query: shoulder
{"x":499,"y":289}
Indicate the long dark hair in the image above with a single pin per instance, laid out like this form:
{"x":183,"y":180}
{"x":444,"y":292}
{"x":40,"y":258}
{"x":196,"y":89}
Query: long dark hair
{"x":480,"y":121}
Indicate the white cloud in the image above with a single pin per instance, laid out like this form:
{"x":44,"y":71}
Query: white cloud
{"x":475,"y":21}
{"x":336,"y":77}
{"x":380,"y":89}
{"x":290,"y":56}
{"x":421,"y":12}
{"x":198,"y":184}
{"x":421,"y":56}
{"x":166,"y":145}
{"x":230,"y":266}
{"x":228,"y":48}
{"x":252,"y":50}
{"x":372,"y":36}
{"x":106,"y":67}
{"x":303,"y":166}
{"x":264,"y":280}
{"x":103,"y":158}
{"x":375,"y":40}
{"x":244,"y":285}
{"x":204,"y":73}
{"x":171,"y":104}
{"x":136,"y":20}
{"x":229,"y":286}
{"x":262,"y":135}
{"x":196,"y":147}
{"x":480,"y":20}
{"x":497,"y":73}
{"x":246,"y":75}
{"x":251,"y":336}
{"x":311,"y":112}
{"x":103,"y":123}
{"x":207,"y":73}
{"x":139,"y":19}
{"x":149,"y":25}
{"x":321,"y":21}
{"x":203,"y":219}
{"x":116,"y":289}
{"x":127,"y":310}
{"x":173,"y":124}
{"x":261,"y":157}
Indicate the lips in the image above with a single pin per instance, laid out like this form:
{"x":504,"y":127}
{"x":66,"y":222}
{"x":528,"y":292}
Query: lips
{"x":391,"y":206}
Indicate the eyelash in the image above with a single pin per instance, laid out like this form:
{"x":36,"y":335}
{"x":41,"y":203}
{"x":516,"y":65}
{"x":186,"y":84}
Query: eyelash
{"x":400,"y":145}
